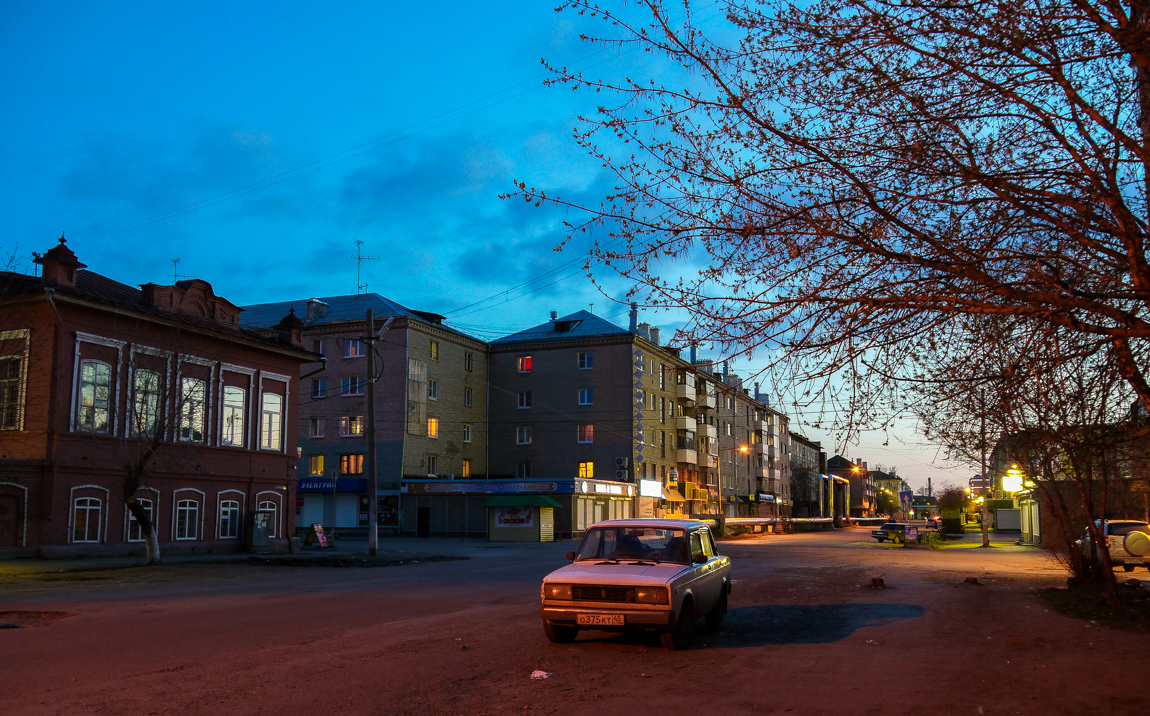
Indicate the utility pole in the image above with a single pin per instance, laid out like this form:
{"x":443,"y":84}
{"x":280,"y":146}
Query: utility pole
{"x":372,"y":482}
{"x":985,"y":490}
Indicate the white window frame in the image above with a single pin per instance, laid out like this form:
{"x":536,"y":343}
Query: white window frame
{"x":22,"y":385}
{"x":80,"y":398}
{"x":272,"y":423}
{"x":586,"y":433}
{"x":318,"y":388}
{"x":432,"y":389}
{"x":468,"y":361}
{"x":524,"y":361}
{"x":586,"y":360}
{"x":99,"y":507}
{"x":345,"y":426}
{"x":185,"y":403}
{"x":467,"y":397}
{"x":277,"y":506}
{"x":432,"y":464}
{"x":176,"y":499}
{"x":433,"y":428}
{"x":311,"y":462}
{"x":315,"y":427}
{"x":467,"y":432}
{"x":133,"y":402}
{"x":154,"y":511}
{"x":227,"y":410}
{"x":360,"y":350}
{"x":82,"y":338}
{"x":523,"y":435}
{"x":586,"y":396}
{"x":352,"y":385}
{"x":237,"y":497}
{"x":524,"y":400}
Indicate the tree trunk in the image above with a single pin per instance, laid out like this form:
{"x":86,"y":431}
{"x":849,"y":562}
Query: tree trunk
{"x":148,"y":528}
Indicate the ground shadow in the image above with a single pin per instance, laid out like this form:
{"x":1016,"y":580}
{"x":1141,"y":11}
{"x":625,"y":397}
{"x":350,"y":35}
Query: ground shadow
{"x":780,"y":624}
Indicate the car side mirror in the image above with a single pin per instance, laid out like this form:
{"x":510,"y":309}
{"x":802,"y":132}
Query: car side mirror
{"x":570,"y":556}
{"x":700,"y":558}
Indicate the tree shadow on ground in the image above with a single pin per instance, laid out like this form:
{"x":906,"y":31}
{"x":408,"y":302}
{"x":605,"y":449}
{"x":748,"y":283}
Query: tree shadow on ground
{"x":779,"y":624}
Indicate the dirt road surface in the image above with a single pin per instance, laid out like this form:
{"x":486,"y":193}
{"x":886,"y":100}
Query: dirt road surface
{"x":805,"y":635}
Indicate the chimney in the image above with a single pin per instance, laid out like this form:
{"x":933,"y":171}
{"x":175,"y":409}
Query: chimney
{"x":695,"y":357}
{"x":726,"y":369}
{"x":643,"y":330}
{"x":655,"y":335}
{"x":634,"y":328}
{"x":554,"y":316}
{"x":316,"y":309}
{"x":290,"y":329}
{"x":59,"y":266}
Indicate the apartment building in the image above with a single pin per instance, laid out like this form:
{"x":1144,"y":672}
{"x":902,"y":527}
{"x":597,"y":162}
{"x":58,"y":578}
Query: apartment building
{"x":430,"y":405}
{"x":808,"y":462}
{"x":863,"y":493}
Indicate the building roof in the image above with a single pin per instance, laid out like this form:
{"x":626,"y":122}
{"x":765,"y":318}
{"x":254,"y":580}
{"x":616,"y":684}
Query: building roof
{"x":581,"y":324}
{"x":339,"y":309}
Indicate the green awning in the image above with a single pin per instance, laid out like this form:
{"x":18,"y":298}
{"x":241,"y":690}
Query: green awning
{"x":522,"y":501}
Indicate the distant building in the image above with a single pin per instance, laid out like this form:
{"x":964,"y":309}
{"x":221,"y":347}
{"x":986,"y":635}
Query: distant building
{"x":863,"y":492}
{"x":91,"y":369}
{"x":808,"y":462}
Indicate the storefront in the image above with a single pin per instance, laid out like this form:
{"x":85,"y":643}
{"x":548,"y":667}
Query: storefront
{"x":339,"y":503}
{"x":454,"y":508}
{"x":521,"y":518}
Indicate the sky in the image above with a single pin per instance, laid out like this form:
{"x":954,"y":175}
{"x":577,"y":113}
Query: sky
{"x":257,"y":143}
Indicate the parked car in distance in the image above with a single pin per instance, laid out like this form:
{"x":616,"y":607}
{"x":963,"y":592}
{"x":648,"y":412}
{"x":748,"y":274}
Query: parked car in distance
{"x":1127,"y":540}
{"x":895,"y":532}
{"x":639,"y":574}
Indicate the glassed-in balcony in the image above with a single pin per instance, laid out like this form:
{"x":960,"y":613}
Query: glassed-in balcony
{"x":706,"y":460}
{"x":685,"y":386}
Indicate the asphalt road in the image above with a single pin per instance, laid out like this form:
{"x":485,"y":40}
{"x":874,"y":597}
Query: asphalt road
{"x":805,"y":635}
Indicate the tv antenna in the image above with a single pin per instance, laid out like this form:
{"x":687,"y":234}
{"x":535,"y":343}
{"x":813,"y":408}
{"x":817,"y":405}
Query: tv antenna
{"x":359,"y":259}
{"x":176,"y":275}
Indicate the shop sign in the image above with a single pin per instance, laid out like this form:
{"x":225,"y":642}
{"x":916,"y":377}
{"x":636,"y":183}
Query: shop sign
{"x":650,"y":488}
{"x":515,"y":517}
{"x":454,"y":487}
{"x":319,"y":534}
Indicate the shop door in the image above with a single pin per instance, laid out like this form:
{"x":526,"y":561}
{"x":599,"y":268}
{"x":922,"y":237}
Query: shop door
{"x":346,"y":509}
{"x":9,"y":521}
{"x":423,"y":522}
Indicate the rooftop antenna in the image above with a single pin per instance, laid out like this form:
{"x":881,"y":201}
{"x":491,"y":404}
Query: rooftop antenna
{"x":176,"y":275}
{"x":359,"y":259}
{"x":592,"y":307}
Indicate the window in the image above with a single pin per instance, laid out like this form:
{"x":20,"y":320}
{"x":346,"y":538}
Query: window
{"x":315,"y":466}
{"x":233,"y":417}
{"x":435,"y":350}
{"x":433,"y":427}
{"x":273,"y":522}
{"x":315,"y":427}
{"x":523,"y":470}
{"x":432,"y":464}
{"x":351,"y":425}
{"x":135,"y":529}
{"x":525,"y":399}
{"x":663,"y":443}
{"x":654,"y":402}
{"x":467,"y":397}
{"x":433,"y":389}
{"x":10,"y":399}
{"x":467,"y":432}
{"x":662,"y":377}
{"x":187,"y":519}
{"x":466,"y":468}
{"x":352,"y":386}
{"x":193,"y":416}
{"x":523,"y":436}
{"x":145,"y":402}
{"x":319,"y":346}
{"x":586,"y":396}
{"x":586,"y":361}
{"x":318,"y":387}
{"x":272,"y":422}
{"x":86,"y":519}
{"x":354,"y":348}
{"x":586,"y":469}
{"x":95,"y":387}
{"x":351,"y":464}
{"x":662,"y":410}
{"x":728,"y":428}
{"x":525,"y":364}
{"x":467,"y":362}
{"x":586,"y":433}
{"x":229,"y":519}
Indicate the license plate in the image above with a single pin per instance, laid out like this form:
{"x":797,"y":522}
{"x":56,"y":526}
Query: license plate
{"x":1135,"y":560}
{"x":599,"y":619}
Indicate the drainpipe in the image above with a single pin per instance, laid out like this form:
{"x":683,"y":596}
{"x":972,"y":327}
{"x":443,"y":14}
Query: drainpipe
{"x":53,"y":417}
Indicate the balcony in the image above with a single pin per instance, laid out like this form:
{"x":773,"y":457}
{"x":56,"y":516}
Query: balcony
{"x":706,"y":401}
{"x":684,"y":422}
{"x":685,"y":391}
{"x":708,"y":431}
{"x":759,"y":449}
{"x":691,"y":457}
{"x":706,"y":460}
{"x":761,"y":472}
{"x":760,"y":426}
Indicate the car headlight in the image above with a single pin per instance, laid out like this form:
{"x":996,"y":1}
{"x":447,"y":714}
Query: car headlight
{"x":651,"y":595}
{"x":557,"y":591}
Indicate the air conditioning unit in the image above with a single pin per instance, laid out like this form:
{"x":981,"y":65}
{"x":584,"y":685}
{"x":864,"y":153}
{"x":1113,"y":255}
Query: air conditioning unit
{"x":621,"y":462}
{"x":621,"y":475}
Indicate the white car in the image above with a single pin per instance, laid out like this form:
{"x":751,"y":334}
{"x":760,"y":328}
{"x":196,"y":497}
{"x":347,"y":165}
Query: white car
{"x":1127,"y":540}
{"x":654,"y":575}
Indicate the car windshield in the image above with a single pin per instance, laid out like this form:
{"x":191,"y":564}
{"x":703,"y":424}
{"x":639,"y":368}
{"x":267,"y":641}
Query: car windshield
{"x":652,"y":544}
{"x":1119,"y":529}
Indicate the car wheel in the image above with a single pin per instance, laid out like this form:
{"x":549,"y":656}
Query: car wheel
{"x":559,"y":634}
{"x":880,"y":539}
{"x":1127,"y":568}
{"x":715,"y":616}
{"x":680,"y":637}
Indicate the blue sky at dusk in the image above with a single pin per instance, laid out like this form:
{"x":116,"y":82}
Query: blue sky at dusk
{"x":257,"y":142}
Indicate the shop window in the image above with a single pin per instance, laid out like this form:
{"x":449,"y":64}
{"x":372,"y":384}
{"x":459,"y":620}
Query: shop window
{"x":272,"y":510}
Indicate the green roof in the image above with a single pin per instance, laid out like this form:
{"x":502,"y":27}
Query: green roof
{"x":522,"y":501}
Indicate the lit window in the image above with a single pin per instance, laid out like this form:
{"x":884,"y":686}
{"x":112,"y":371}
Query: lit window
{"x":432,"y":465}
{"x":435,"y":350}
{"x":135,"y":529}
{"x":523,"y":436}
{"x":351,"y":464}
{"x":318,"y":387}
{"x":525,"y":364}
{"x":525,"y":399}
{"x":433,"y":427}
{"x":233,"y":417}
{"x":187,"y":519}
{"x":467,"y":432}
{"x":352,"y":386}
{"x":145,"y":402}
{"x":523,"y":470}
{"x":86,"y":514}
{"x":586,"y":469}
{"x":586,"y":433}
{"x":586,"y":396}
{"x":193,"y":416}
{"x":433,"y":389}
{"x":351,"y":425}
{"x":354,"y":348}
{"x":315,"y":466}
{"x":466,"y":468}
{"x":467,"y":361}
{"x":467,"y":397}
{"x":315,"y":427}
{"x":229,"y":519}
{"x":95,"y":387}
{"x":586,"y":360}
{"x":271,"y":421}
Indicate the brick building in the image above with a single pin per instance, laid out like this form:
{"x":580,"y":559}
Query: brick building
{"x":863,"y":493}
{"x":91,"y":369}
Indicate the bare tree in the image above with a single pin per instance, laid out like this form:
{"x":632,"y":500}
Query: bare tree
{"x":852,"y":178}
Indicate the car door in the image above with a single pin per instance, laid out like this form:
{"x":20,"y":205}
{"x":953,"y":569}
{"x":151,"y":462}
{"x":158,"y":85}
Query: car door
{"x":706,"y":594}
